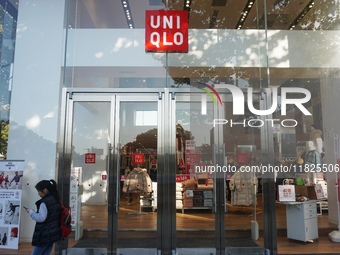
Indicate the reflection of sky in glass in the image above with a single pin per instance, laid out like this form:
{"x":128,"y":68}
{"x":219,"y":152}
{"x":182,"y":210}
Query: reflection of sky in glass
{"x":91,"y":125}
{"x":190,"y":117}
{"x":146,"y":118}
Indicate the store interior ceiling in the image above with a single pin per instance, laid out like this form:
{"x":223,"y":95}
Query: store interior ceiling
{"x":222,"y":14}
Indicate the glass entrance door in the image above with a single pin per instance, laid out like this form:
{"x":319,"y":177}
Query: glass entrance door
{"x":136,"y":157}
{"x":195,"y":187}
{"x":218,"y":190}
{"x":111,"y":155}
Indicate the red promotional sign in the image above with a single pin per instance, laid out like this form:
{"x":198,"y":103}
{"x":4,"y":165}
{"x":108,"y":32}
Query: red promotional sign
{"x":137,"y":159}
{"x":90,"y":158}
{"x":182,"y":177}
{"x":166,"y":30}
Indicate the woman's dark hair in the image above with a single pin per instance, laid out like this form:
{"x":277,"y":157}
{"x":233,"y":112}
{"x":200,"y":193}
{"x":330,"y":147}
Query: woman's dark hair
{"x":50,"y":185}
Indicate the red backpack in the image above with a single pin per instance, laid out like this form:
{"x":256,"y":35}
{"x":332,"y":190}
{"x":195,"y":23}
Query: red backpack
{"x":65,"y":220}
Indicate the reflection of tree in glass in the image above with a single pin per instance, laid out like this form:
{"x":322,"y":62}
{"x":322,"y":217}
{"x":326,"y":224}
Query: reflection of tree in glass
{"x":194,"y":117}
{"x":3,"y":137}
{"x":147,"y":141}
{"x":226,"y":47}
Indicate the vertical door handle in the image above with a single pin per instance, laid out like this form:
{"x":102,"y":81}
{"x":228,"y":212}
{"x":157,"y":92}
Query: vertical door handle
{"x":118,"y":177}
{"x":108,"y":203}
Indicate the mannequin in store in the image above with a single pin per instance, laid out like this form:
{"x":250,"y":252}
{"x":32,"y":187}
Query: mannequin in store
{"x":316,"y":137}
{"x":138,"y":181}
{"x":242,"y":188}
{"x":312,"y":160}
{"x":313,"y":156}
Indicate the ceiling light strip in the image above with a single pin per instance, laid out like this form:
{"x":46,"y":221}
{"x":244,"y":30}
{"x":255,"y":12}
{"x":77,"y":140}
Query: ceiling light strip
{"x":187,"y":6}
{"x":245,"y":13}
{"x":302,"y":14}
{"x":128,"y":14}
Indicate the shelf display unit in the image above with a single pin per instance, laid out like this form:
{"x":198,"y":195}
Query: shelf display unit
{"x":197,"y":199}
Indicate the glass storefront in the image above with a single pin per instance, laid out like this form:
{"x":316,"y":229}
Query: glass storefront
{"x":244,"y":97}
{"x":189,"y":153}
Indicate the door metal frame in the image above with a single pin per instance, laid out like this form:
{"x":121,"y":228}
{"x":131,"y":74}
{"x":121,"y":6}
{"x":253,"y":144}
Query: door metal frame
{"x":166,"y":211}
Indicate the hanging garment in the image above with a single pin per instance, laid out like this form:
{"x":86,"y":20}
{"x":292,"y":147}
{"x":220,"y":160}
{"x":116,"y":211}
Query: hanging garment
{"x":242,"y":188}
{"x":180,"y":149}
{"x":138,"y":180}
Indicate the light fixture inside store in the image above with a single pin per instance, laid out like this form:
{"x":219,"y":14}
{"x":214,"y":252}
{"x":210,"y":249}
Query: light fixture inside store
{"x":245,"y":13}
{"x":302,"y":14}
{"x":187,"y":6}
{"x":128,"y":14}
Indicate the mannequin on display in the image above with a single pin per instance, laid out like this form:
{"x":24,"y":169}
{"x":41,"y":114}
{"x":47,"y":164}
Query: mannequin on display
{"x":313,"y":156}
{"x":242,"y":188}
{"x":312,"y":160}
{"x":137,"y":181}
{"x":316,"y":137}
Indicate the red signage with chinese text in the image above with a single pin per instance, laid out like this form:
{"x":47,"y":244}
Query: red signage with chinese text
{"x":90,"y":158}
{"x":182,"y":177}
{"x":137,"y":159}
{"x":166,"y":31}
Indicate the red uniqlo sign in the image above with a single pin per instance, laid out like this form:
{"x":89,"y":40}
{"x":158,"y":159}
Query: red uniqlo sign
{"x":166,"y":31}
{"x":138,"y":159}
{"x":90,"y":158}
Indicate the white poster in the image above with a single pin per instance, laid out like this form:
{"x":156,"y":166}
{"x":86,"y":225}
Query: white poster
{"x":11,"y":173}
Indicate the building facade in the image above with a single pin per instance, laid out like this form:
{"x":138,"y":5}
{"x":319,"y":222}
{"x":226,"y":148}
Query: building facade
{"x":257,"y":90}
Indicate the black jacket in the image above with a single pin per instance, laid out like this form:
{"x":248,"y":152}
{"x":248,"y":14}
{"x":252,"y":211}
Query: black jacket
{"x":48,"y":231}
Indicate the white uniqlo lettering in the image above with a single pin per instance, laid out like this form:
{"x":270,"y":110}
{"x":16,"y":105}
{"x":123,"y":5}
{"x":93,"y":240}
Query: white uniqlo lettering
{"x":152,"y":21}
{"x":167,"y":22}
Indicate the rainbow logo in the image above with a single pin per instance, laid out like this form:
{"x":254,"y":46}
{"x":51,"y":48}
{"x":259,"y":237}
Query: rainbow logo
{"x":209,"y":90}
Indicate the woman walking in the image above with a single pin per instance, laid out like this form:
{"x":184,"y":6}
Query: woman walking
{"x":47,"y":217}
